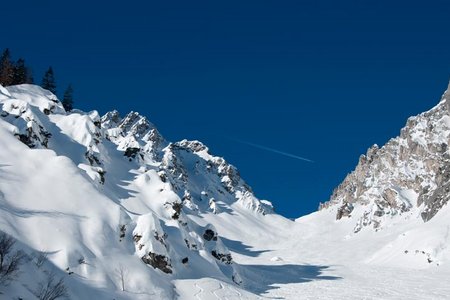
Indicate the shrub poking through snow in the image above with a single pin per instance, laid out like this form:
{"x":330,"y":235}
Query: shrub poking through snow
{"x":51,"y":289}
{"x":10,"y":260}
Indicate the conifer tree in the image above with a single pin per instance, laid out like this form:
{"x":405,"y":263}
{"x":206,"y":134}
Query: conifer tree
{"x":22,"y":73}
{"x":68,"y":98}
{"x":29,"y":78}
{"x":48,"y":81}
{"x":6,"y":69}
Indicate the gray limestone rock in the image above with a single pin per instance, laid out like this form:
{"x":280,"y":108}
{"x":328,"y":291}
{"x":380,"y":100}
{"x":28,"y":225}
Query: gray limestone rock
{"x":409,"y":171}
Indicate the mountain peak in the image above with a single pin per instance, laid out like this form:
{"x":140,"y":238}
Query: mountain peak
{"x":118,"y":187}
{"x":111,"y":119}
{"x":135,"y":124}
{"x":116,"y":211}
{"x":408,"y":175}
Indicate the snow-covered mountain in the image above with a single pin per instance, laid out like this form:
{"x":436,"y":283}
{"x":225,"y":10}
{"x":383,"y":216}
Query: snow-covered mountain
{"x":109,"y":206}
{"x":407,"y":176}
{"x":97,"y":194}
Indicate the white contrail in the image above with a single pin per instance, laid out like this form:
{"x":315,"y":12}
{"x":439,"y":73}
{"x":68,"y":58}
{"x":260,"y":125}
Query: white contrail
{"x":274,"y":151}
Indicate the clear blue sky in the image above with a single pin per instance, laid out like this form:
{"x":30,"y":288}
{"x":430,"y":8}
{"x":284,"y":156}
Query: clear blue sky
{"x":322,"y":80}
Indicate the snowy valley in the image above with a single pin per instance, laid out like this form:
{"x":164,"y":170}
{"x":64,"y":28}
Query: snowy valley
{"x":115,"y":211}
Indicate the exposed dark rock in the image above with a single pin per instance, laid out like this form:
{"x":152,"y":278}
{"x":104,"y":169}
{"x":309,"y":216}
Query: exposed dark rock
{"x":418,"y":160}
{"x":195,"y":146}
{"x":162,"y":176}
{"x":158,"y":261}
{"x":26,"y":139}
{"x":379,"y":213}
{"x":33,"y":139}
{"x":102,"y":176}
{"x":189,"y":245}
{"x":161,"y":238}
{"x":185,"y":260}
{"x":187,"y":196}
{"x":344,"y":211}
{"x":177,"y":206}
{"x":225,"y":258}
{"x":137,"y":238}
{"x":92,"y":158}
{"x":122,"y":232}
{"x":436,"y":199}
{"x":131,"y":152}
{"x":210,"y":235}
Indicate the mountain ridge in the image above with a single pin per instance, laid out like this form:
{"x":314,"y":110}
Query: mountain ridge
{"x":409,"y":171}
{"x":149,"y":185}
{"x":110,"y":207}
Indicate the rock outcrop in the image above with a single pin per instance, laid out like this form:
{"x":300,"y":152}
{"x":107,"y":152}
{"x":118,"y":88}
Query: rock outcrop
{"x":160,"y":188}
{"x":410,"y":174}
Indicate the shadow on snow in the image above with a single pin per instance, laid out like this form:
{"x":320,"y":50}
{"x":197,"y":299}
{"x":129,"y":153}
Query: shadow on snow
{"x":260,"y":279}
{"x":239,"y":247}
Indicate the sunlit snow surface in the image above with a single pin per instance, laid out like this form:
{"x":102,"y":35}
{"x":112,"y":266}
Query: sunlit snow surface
{"x":53,"y":200}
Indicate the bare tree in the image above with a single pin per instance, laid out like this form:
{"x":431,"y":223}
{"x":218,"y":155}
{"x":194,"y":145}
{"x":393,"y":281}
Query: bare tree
{"x":9,"y":261}
{"x":122,"y":273}
{"x":6,"y":244}
{"x":41,"y":258}
{"x":51,"y":289}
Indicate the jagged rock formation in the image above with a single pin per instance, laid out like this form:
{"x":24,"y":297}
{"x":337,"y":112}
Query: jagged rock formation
{"x":157,"y":192}
{"x":408,"y":175}
{"x":117,"y":212}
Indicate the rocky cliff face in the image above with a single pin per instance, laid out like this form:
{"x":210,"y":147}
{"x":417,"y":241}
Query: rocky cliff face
{"x":145,"y":199}
{"x":407,"y":177}
{"x":200,"y":179}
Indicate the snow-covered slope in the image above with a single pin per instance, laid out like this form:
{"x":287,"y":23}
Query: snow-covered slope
{"x":118,"y":212}
{"x":101,"y":194}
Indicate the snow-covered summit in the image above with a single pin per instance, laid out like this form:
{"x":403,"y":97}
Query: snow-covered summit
{"x":116,"y":211}
{"x":408,"y":177}
{"x":81,"y":187}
